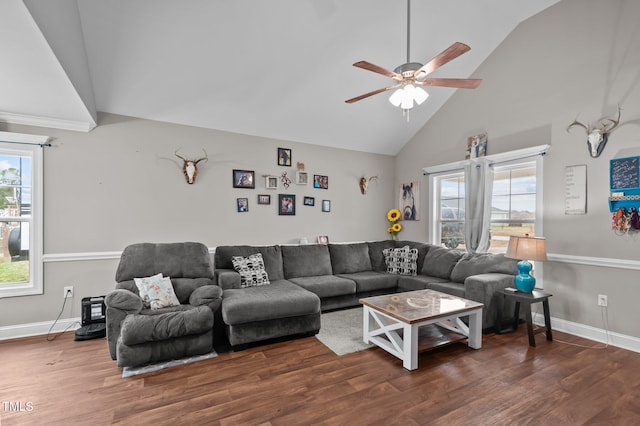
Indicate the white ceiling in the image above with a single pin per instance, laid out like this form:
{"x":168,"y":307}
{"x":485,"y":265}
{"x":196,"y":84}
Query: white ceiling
{"x":279,"y":69}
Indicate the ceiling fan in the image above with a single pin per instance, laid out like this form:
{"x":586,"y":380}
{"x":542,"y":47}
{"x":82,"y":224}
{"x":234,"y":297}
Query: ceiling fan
{"x":409,"y":76}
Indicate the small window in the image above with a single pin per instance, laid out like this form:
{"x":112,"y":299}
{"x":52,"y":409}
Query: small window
{"x":449,"y":225}
{"x":20,"y":219}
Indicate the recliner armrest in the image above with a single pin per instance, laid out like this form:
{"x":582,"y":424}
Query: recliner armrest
{"x":208,"y":295}
{"x":124,"y":300}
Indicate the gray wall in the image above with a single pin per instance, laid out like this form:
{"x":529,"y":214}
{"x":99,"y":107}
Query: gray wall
{"x":121,"y":183}
{"x":576,"y":58}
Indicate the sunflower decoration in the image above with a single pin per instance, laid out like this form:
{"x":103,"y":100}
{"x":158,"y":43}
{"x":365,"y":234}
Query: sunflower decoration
{"x":393,"y":216}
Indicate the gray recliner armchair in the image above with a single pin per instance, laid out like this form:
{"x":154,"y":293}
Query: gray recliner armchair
{"x":138,"y":335}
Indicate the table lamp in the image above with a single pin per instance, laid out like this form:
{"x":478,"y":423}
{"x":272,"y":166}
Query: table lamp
{"x":524,"y":248}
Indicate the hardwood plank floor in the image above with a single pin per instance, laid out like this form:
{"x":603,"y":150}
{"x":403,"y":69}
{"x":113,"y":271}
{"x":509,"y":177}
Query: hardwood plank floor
{"x":300,"y":382}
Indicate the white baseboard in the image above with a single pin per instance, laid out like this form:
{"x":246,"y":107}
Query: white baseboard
{"x":38,"y":328}
{"x":592,"y":333}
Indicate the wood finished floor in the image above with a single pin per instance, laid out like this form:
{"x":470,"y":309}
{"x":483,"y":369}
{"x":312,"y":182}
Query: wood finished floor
{"x":301,"y":382}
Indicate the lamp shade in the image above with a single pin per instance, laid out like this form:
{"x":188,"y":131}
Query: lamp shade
{"x":524,"y":248}
{"x":527,"y":248}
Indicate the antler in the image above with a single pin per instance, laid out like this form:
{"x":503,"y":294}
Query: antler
{"x":205,"y":158}
{"x":577,"y":123}
{"x":180,"y":157}
{"x":613,"y":123}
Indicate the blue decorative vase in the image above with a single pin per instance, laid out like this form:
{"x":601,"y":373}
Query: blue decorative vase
{"x":524,"y":281}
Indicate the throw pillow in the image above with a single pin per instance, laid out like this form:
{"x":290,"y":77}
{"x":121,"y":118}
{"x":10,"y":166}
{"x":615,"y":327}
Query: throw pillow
{"x":142,"y":284}
{"x":251,"y":270}
{"x":156,"y":292}
{"x":401,"y":261}
{"x":162,"y":295}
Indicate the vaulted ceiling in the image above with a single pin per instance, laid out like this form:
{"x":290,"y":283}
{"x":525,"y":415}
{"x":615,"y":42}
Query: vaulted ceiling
{"x":278,"y":69}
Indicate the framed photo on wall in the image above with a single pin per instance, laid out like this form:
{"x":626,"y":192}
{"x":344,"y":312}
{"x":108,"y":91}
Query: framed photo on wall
{"x":284,"y":157}
{"x":242,"y":204}
{"x":264,"y":199}
{"x":301,"y":178}
{"x":244,"y":179}
{"x":286,"y":205}
{"x":271,"y":182}
{"x":309,"y":201}
{"x":408,"y":203}
{"x":326,"y":205}
{"x":323,"y":239}
{"x":321,"y":181}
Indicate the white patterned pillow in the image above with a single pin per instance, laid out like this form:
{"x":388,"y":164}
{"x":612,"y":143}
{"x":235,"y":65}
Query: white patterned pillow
{"x":156,"y":292}
{"x":143,"y":284}
{"x":401,"y":261}
{"x":251,"y":270}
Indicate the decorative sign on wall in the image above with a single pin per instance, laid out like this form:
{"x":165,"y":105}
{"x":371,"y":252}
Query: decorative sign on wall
{"x":575,"y":184}
{"x":624,"y":173}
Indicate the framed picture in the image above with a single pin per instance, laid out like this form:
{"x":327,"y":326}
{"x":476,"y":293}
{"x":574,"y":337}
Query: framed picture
{"x":271,"y":182}
{"x":323,"y":239}
{"x":476,"y":146}
{"x":309,"y":201}
{"x":286,"y":205}
{"x":326,"y":205}
{"x":284,"y":157}
{"x":244,"y":179}
{"x":242,"y":204}
{"x":320,"y":181}
{"x":301,"y":178}
{"x":264,"y":199}
{"x":408,"y":201}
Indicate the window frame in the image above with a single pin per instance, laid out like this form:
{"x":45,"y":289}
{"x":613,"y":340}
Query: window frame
{"x":435,"y":203}
{"x":29,"y":145}
{"x":535,"y":153}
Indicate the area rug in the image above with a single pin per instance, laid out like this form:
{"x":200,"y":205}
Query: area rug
{"x":341,"y":331}
{"x":134,"y":371}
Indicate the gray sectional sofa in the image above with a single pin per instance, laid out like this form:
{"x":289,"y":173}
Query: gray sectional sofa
{"x":308,"y":279}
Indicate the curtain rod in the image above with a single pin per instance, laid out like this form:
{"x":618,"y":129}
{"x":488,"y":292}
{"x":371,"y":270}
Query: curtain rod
{"x":41,"y":145}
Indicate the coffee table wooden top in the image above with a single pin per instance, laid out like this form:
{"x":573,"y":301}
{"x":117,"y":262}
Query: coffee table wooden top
{"x":420,"y":305}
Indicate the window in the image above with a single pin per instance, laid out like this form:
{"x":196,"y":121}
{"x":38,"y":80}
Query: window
{"x":20,"y":217}
{"x":449,"y":210}
{"x":516,"y":202}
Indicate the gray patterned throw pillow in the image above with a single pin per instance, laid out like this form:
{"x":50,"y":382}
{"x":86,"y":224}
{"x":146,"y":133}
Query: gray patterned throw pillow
{"x":401,"y":261}
{"x":251,"y":270}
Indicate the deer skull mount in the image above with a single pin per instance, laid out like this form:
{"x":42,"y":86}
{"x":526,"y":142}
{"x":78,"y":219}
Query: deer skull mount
{"x":190,"y":167}
{"x":364,"y":183}
{"x":597,"y":136}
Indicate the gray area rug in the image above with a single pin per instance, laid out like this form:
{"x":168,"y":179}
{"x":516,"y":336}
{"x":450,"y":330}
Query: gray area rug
{"x":341,"y":331}
{"x":134,"y":371}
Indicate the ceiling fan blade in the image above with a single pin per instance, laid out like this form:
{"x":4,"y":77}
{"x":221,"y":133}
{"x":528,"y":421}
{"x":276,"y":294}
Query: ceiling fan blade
{"x":460,"y":83}
{"x":378,"y":69}
{"x":449,"y":54}
{"x":366,"y":95}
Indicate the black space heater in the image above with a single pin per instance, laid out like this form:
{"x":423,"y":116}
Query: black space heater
{"x":93,"y":319}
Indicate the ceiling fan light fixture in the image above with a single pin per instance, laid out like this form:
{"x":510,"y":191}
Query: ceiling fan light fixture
{"x":420,"y":95}
{"x":396,"y":97}
{"x":405,"y":96}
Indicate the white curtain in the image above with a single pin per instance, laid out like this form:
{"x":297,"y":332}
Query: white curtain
{"x":478,"y":181}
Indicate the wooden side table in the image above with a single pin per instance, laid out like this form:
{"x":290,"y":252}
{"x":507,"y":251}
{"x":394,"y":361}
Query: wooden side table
{"x":527,"y":299}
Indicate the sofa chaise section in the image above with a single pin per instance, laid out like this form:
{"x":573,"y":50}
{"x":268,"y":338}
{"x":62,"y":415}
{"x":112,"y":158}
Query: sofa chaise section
{"x":278,"y":309}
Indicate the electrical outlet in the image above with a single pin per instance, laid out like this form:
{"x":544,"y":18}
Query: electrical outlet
{"x":602,"y":300}
{"x":68,"y":292}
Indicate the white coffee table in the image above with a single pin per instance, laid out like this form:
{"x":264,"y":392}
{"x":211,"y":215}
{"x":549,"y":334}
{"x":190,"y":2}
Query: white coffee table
{"x":392,"y":321}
